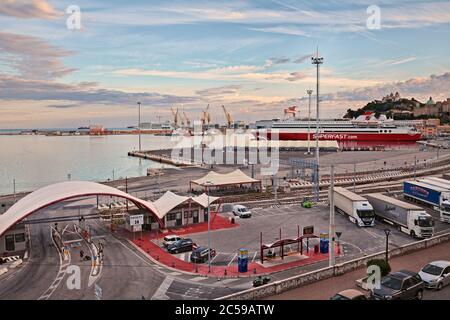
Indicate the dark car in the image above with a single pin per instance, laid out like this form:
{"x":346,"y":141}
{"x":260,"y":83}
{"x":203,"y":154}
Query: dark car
{"x":200,"y":254}
{"x":401,"y":285}
{"x":182,"y":245}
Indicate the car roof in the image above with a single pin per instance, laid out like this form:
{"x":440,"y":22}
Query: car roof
{"x":351,"y":293}
{"x":402,"y":274}
{"x":239,"y":206}
{"x":440,"y":263}
{"x":172,"y":236}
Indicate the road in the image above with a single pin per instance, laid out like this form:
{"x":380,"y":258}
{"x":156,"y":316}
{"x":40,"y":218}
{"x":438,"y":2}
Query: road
{"x":126,"y":273}
{"x":323,"y":290}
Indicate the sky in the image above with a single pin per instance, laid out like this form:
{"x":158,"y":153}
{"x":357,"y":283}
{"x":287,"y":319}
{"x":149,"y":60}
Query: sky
{"x":254,"y":57}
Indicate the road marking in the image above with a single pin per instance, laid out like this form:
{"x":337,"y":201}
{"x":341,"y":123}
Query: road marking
{"x":376,"y":236}
{"x":229,"y":263}
{"x":160,"y":293}
{"x":197,"y":279}
{"x":228,"y":281}
{"x":62,"y":270}
{"x":174,"y":273}
{"x":214,"y":258}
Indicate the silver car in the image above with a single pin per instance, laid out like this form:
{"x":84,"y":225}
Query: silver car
{"x":436,"y":275}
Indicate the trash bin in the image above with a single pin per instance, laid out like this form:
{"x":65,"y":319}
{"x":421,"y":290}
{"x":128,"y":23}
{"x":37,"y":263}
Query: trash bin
{"x":324,"y":245}
{"x":316,"y":248}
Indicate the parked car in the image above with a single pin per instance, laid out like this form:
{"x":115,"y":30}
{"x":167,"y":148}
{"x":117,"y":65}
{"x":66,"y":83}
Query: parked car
{"x":259,"y":281}
{"x":241,"y":211}
{"x":436,"y":275}
{"x":170,"y":239}
{"x":200,"y":254}
{"x":349,"y":294}
{"x":182,"y":245}
{"x":401,"y":285}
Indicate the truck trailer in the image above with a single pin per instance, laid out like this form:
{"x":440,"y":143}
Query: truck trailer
{"x":356,"y":207}
{"x":406,"y":217}
{"x":430,"y":192}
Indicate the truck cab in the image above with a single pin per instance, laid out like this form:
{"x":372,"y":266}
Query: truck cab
{"x":365,"y":214}
{"x":422,"y":225}
{"x":445,"y":207}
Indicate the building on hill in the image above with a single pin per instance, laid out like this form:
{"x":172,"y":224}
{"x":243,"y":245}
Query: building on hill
{"x":391,"y":97}
{"x":432,"y":108}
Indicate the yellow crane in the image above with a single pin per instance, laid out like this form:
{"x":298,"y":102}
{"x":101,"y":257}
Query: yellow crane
{"x":206,"y":117}
{"x":228,"y":116}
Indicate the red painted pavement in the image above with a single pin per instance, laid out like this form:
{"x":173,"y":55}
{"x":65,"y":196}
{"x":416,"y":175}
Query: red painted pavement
{"x":163,"y":257}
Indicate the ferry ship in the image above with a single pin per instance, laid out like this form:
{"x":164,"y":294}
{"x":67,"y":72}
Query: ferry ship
{"x":364,"y":128}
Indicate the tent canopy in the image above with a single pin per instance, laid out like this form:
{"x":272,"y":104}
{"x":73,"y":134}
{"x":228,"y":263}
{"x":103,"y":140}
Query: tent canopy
{"x":170,"y":200}
{"x":221,"y":179}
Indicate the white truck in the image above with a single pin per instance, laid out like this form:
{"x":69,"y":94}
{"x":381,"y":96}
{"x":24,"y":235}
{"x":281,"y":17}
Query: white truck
{"x":357,"y":208}
{"x":406,"y":217}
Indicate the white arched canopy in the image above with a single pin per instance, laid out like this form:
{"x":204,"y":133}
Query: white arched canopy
{"x":58,"y":192}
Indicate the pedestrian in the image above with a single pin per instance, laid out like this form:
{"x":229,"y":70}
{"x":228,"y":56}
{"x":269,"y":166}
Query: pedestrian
{"x":81,"y":254}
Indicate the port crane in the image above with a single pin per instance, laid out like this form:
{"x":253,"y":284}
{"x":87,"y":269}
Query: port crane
{"x":175,"y":116}
{"x":206,"y":117}
{"x":228,"y":116}
{"x":188,"y":121}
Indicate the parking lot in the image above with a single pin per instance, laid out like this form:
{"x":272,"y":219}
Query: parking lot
{"x":355,"y":241}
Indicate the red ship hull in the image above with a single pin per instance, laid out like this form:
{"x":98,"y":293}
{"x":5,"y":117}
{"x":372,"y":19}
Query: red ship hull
{"x":346,"y":136}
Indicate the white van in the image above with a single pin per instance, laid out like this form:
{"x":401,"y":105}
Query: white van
{"x":241,"y":211}
{"x":170,"y":239}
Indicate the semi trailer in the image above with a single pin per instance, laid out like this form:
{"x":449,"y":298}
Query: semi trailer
{"x":406,"y":217}
{"x":356,"y":207}
{"x":429,"y":192}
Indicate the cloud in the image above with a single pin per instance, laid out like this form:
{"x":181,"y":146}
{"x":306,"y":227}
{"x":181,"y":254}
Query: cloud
{"x":32,"y":57}
{"x":275,"y":61}
{"x":14,"y":88}
{"x":64,"y":106}
{"x":437,"y":86}
{"x":303,"y":58}
{"x":289,"y":30}
{"x":28,"y":9}
{"x":294,"y":76}
{"x":219,"y":91}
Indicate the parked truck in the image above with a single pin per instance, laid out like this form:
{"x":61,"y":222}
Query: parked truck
{"x":429,"y":192}
{"x":406,"y":217}
{"x":356,"y":207}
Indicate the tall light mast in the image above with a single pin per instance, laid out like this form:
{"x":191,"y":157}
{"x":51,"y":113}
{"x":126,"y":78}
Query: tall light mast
{"x":139,"y":124}
{"x":317,"y":61}
{"x":309,"y":92}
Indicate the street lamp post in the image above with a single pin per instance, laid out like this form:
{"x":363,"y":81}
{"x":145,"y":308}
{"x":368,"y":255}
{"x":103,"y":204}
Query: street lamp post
{"x":332,"y":230}
{"x":387,"y":232}
{"x":317,"y":61}
{"x":207,"y":184}
{"x":309,"y":92}
{"x":415,"y":164}
{"x":139,"y":124}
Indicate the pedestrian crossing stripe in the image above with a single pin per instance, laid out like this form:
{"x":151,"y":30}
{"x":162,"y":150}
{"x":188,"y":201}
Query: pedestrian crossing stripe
{"x":11,"y":258}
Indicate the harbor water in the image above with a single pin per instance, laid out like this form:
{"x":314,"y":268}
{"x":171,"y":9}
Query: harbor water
{"x":34,"y":161}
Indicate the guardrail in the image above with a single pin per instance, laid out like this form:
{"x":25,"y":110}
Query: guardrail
{"x":280,"y":286}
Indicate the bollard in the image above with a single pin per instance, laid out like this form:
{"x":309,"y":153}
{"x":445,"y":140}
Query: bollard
{"x":196,"y":269}
{"x":254,"y":270}
{"x":225,"y":273}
